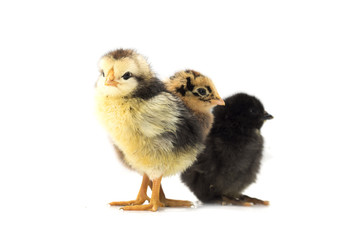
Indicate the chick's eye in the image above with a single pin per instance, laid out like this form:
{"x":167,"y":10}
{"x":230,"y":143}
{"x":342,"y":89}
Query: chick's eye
{"x":202,"y":91}
{"x":102,"y":73}
{"x":127,"y":75}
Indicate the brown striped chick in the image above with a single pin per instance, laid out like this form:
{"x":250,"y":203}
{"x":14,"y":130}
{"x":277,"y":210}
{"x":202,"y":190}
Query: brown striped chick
{"x":198,"y":93}
{"x":156,"y":132}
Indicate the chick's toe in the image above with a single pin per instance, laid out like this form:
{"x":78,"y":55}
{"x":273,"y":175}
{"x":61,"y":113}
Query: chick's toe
{"x":171,"y":202}
{"x":255,"y":201}
{"x":243,"y":200}
{"x":142,"y":195}
{"x":154,"y":203}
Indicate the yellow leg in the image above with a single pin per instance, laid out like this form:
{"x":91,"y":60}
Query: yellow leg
{"x":142,"y":195}
{"x":154,"y":200}
{"x":171,"y":202}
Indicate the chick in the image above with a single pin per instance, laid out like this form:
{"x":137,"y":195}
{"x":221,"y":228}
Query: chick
{"x":233,"y":153}
{"x":200,"y":95}
{"x":156,"y":133}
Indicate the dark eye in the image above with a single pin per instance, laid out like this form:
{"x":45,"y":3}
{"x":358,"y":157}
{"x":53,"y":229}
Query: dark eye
{"x":202,"y":91}
{"x":127,"y":75}
{"x":102,"y":73}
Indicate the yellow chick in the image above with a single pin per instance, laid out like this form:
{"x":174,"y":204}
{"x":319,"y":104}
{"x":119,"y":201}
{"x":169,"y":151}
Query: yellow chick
{"x":200,"y":96}
{"x":155,"y":131}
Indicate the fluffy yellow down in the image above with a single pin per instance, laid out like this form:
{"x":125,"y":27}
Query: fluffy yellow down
{"x":135,"y":127}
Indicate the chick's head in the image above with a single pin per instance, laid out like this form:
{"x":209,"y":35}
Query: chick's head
{"x":243,"y":110}
{"x":121,"y":71}
{"x":196,"y":90}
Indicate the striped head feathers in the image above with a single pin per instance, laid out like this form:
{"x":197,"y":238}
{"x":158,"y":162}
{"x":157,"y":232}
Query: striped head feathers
{"x":196,"y":90}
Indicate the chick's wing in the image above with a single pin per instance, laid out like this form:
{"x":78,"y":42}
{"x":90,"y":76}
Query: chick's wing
{"x":159,"y":115}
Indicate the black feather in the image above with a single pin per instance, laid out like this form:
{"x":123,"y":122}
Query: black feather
{"x":190,"y":86}
{"x":181,"y":90}
{"x":189,"y":132}
{"x":209,"y":89}
{"x":148,"y":89}
{"x":233,"y":153}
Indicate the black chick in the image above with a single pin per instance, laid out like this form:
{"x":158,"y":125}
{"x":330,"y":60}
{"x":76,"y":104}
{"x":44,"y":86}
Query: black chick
{"x":233,"y":153}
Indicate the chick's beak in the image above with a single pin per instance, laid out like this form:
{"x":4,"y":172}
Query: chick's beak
{"x":218,"y":101}
{"x":110,"y":78}
{"x":267,"y":116}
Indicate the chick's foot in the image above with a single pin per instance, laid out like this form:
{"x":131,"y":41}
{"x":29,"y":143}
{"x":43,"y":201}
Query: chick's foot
{"x":141,"y":198}
{"x":255,"y":201}
{"x":243,"y":200}
{"x":138,"y":201}
{"x":176,"y":203}
{"x":154,"y":203}
{"x":152,"y":206}
{"x":171,"y":202}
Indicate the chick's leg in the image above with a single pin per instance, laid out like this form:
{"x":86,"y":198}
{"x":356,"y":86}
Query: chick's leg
{"x":171,"y":202}
{"x":142,"y":195}
{"x":154,"y":202}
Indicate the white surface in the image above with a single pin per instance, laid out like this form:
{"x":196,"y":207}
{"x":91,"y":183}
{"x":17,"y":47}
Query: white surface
{"x":58,"y":171}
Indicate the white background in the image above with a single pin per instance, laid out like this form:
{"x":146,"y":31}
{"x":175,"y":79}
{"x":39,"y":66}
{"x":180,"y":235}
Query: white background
{"x":301,"y":58}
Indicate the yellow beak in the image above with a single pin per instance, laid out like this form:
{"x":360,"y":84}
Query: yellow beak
{"x":110,"y":79}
